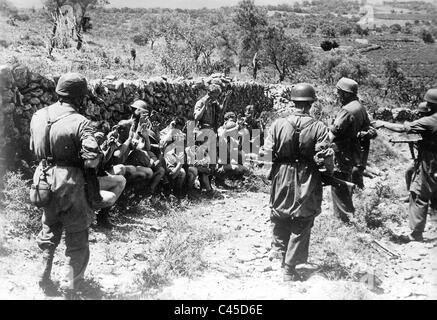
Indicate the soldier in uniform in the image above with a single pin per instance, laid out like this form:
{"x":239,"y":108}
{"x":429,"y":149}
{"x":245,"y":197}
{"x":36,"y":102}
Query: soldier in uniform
{"x":351,"y":127}
{"x":423,"y":188}
{"x":296,"y":192}
{"x":72,"y":149}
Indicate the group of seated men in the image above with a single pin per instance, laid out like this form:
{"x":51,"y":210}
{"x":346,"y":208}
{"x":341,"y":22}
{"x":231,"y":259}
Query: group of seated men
{"x":133,"y":149}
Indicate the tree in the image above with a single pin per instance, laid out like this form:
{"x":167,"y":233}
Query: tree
{"x":328,"y":31}
{"x":395,"y":28}
{"x":285,"y":53}
{"x":251,"y":22}
{"x":426,"y":36}
{"x":309,"y":29}
{"x":53,"y":8}
{"x":344,"y":29}
{"x":80,"y":10}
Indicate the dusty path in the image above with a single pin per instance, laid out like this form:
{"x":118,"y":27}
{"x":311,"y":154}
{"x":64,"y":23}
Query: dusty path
{"x":237,"y":265}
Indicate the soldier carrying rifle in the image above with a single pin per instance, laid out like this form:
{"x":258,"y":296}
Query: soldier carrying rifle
{"x":423,"y":188}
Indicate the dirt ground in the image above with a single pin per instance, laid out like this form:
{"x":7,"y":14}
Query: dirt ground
{"x":237,"y":266}
{"x":234,"y":253}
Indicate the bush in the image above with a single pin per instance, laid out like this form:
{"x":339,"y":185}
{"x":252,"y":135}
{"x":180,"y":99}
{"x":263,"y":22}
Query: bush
{"x":426,"y":36}
{"x":23,"y":216}
{"x":328,"y":45}
{"x":140,"y":39}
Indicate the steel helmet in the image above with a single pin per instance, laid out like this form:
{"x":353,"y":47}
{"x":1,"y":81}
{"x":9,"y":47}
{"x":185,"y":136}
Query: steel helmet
{"x":72,"y":85}
{"x":431,"y":96}
{"x":140,"y":105}
{"x":347,"y":85}
{"x":303,"y":92}
{"x":423,"y":108}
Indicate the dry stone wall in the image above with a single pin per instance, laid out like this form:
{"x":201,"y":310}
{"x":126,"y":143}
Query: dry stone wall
{"x":24,"y":92}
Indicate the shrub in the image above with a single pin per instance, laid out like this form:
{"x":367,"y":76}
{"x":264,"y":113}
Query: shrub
{"x":140,"y":39}
{"x":177,"y":253}
{"x":328,"y":45}
{"x":23,"y":216}
{"x":426,"y":36}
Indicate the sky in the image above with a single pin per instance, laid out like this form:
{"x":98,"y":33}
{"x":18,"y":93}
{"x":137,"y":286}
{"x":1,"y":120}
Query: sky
{"x":185,"y":4}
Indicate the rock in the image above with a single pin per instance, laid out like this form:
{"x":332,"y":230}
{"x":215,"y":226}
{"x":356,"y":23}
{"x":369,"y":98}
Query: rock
{"x":21,"y":76}
{"x":6,"y":77}
{"x":34,"y":101}
{"x":402,"y":114}
{"x":383,"y":114}
{"x":37,"y":93}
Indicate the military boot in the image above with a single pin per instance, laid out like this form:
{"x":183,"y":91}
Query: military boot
{"x":103,"y":219}
{"x":45,"y":282}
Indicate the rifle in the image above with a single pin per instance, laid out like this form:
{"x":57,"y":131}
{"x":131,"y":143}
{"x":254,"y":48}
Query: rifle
{"x":410,"y":145}
{"x":327,"y":180}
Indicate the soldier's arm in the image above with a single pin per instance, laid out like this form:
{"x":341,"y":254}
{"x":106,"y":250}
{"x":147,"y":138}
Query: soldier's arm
{"x":396,"y":127}
{"x":343,"y":124}
{"x":90,"y":151}
{"x":267,"y":151}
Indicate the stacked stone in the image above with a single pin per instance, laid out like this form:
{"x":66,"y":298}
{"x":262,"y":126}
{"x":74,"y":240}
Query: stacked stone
{"x":24,"y":92}
{"x":395,"y":114}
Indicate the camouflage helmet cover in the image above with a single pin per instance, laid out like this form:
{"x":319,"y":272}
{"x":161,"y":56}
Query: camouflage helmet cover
{"x":72,"y":85}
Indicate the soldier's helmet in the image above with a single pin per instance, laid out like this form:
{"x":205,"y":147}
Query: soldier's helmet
{"x":423,"y":108}
{"x":139,"y":105}
{"x":431,"y":96}
{"x":303,"y":92}
{"x":72,"y":85}
{"x":347,"y":85}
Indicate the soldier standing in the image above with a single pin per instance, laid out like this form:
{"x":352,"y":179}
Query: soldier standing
{"x":69,"y":149}
{"x":423,"y":188}
{"x":350,"y":126}
{"x":296,"y":192}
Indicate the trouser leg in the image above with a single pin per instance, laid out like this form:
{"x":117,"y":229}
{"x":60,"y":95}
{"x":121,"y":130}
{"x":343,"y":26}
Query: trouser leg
{"x":299,"y":241}
{"x":342,"y":199}
{"x":281,"y":231}
{"x":48,"y":239}
{"x":409,"y":175}
{"x":357,"y":176}
{"x":417,"y":212}
{"x":77,"y":253}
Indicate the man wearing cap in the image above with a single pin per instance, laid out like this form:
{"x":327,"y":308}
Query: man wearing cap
{"x":230,"y":161}
{"x":150,"y":142}
{"x":70,"y":149}
{"x":423,"y":188}
{"x":351,"y":134}
{"x":207,"y":110}
{"x":296,"y":193}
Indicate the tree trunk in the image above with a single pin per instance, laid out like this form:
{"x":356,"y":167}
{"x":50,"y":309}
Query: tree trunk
{"x":52,"y":39}
{"x":79,"y":36}
{"x":281,"y":77}
{"x":152,"y":42}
